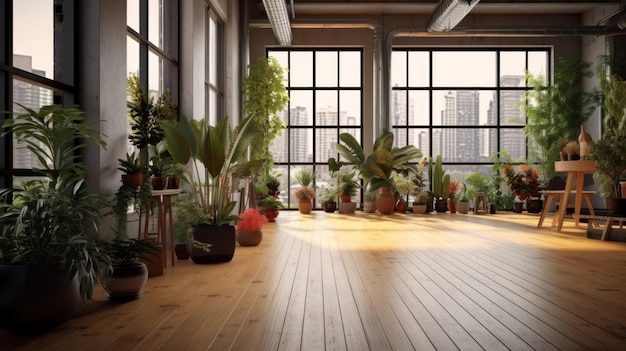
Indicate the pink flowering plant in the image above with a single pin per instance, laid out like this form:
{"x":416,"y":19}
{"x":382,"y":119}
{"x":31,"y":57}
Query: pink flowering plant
{"x":251,"y":220}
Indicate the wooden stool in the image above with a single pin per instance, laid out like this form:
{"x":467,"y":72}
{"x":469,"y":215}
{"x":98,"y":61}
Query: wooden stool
{"x":556,"y":196}
{"x":480,"y":203}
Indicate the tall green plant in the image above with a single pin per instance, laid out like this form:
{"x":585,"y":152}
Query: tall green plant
{"x":53,"y":219}
{"x":556,"y":112}
{"x":375,"y":169}
{"x":613,"y":100}
{"x":265,"y":95}
{"x":216,"y":152}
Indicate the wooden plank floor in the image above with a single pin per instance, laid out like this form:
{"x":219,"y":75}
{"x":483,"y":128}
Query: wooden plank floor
{"x":370,"y":282}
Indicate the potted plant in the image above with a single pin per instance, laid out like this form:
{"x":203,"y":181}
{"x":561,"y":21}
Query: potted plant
{"x":441,"y":182}
{"x":453,"y":189}
{"x":376,"y":168}
{"x":369,"y":202}
{"x":305,"y":193}
{"x":128,"y":275}
{"x":133,"y":170}
{"x":348,"y":186}
{"x":49,"y":257}
{"x":557,"y":111}
{"x":270,"y":207}
{"x":186,"y":214}
{"x":419,"y":203}
{"x":265,"y":95}
{"x":463,"y":204}
{"x":608,"y":150}
{"x":609,"y":154}
{"x":329,"y":194}
{"x":214,"y":152}
{"x":525,"y":184}
{"x":249,"y":227}
{"x":403,"y":186}
{"x":572,"y":150}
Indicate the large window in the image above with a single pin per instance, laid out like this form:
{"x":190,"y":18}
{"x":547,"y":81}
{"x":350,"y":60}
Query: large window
{"x":36,"y":69}
{"x":214,"y":81}
{"x":325,"y":99}
{"x":152,"y":45}
{"x":463,"y":104}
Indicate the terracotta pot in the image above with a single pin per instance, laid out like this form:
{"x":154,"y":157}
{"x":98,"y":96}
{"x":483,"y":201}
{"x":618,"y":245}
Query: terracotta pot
{"x":250,"y":237}
{"x":173,"y":182}
{"x":305,"y":206}
{"x":134,"y":180}
{"x":401,"y":206}
{"x":271,"y":214}
{"x":385,"y":202}
{"x":452,"y":205}
{"x":347,"y":207}
{"x":345,"y":198}
{"x":158,"y":183}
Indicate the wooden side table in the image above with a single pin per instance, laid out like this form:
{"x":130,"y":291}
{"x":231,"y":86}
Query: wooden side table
{"x":575,"y":173}
{"x":163,"y":199}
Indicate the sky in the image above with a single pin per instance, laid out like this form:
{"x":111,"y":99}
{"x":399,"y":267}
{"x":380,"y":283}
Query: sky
{"x":33,"y":32}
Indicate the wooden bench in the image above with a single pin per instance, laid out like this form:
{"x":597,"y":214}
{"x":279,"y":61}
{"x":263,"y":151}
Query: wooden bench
{"x":556,"y":196}
{"x":609,"y":220}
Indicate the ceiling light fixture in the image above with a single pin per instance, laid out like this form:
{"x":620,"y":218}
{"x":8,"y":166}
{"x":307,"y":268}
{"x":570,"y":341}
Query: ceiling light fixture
{"x":277,"y":13}
{"x":448,"y":14}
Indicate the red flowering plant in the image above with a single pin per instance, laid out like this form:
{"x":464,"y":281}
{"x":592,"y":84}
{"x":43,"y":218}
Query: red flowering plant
{"x":524,"y":183}
{"x":251,"y":220}
{"x":453,"y":188}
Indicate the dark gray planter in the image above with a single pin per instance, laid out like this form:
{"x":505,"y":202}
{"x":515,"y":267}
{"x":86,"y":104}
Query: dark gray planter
{"x":221,"y":240}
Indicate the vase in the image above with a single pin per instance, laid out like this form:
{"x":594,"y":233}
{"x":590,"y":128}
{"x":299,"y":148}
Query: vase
{"x":585,"y":141}
{"x":385,"y":203}
{"x":126,"y":282}
{"x":250,"y":237}
{"x":441,"y":205}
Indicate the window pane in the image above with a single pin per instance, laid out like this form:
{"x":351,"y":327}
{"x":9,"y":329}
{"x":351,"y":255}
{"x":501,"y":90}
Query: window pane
{"x":420,"y":139}
{"x":419,"y":107}
{"x":132,"y":60}
{"x":301,"y":108}
{"x":326,"y":107}
{"x":350,"y":107}
{"x":419,"y":65}
{"x":34,"y":56}
{"x":350,"y":69}
{"x":325,"y":141}
{"x":132,"y":14}
{"x":510,"y":110}
{"x":326,"y":67}
{"x":301,"y":69}
{"x":155,"y":22}
{"x":279,"y":148}
{"x":464,"y":69}
{"x":301,"y":145}
{"x":513,"y":142}
{"x":512,"y":65}
{"x":398,"y":107}
{"x":463,"y":145}
{"x":398,"y":68}
{"x":155,"y":84}
{"x":32,"y":97}
{"x":538,"y":63}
